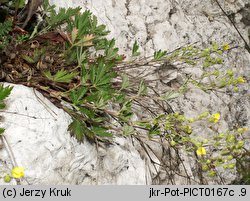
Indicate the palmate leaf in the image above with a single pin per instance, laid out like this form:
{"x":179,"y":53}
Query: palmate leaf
{"x":61,"y":76}
{"x":159,"y":55}
{"x":28,"y":59}
{"x":101,"y":74}
{"x":47,"y":7}
{"x":77,"y":95}
{"x":142,"y":88}
{"x":170,"y":95}
{"x":111,"y":52}
{"x":88,"y":112}
{"x":125,"y":81}
{"x":5,"y":28}
{"x":126,"y":113}
{"x":102,"y":132}
{"x":100,"y":98}
{"x":4,"y":92}
{"x":76,"y":129}
{"x":86,"y":23}
{"x":79,"y":129}
{"x":98,"y":29}
{"x":128,"y":130}
{"x":58,"y":18}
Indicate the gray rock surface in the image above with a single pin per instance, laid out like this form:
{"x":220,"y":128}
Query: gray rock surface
{"x":43,"y":145}
{"x":37,"y":133}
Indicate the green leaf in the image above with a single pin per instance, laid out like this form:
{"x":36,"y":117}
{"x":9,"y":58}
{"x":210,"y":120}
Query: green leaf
{"x":111,"y":52}
{"x":79,"y":129}
{"x":154,"y":130}
{"x":143,"y":124}
{"x":61,"y":76}
{"x":86,"y":23}
{"x":126,"y":111}
{"x":58,"y":18}
{"x":99,"y":119}
{"x":170,"y":95}
{"x":2,"y":105}
{"x":28,"y":59}
{"x":4,"y":92}
{"x":93,"y":97}
{"x":142,"y":88}
{"x":159,"y":55}
{"x":103,"y":98}
{"x":125,"y":81}
{"x":101,"y":74}
{"x":47,"y":7}
{"x":84,"y":73}
{"x":135,"y":49}
{"x":77,"y":95}
{"x":89,"y":113}
{"x":76,"y":129}
{"x":18,"y":3}
{"x":128,"y":130}
{"x":102,"y":132}
{"x":1,"y":131}
{"x":120,"y":98}
{"x":5,"y":37}
{"x":5,"y":28}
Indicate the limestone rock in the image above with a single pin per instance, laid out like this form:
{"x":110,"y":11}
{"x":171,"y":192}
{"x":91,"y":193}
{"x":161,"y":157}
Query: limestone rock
{"x":43,"y":145}
{"x":36,"y":132}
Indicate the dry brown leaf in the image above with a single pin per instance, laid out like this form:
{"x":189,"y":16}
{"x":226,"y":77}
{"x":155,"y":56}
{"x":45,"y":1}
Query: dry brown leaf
{"x":74,"y":35}
{"x":56,"y":94}
{"x":86,"y":40}
{"x":53,"y":36}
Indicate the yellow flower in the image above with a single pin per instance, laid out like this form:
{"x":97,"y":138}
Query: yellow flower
{"x":240,"y":80}
{"x":201,"y":151}
{"x":215,"y":117}
{"x":245,"y":129}
{"x":17,"y":172}
{"x":226,"y":47}
{"x":242,"y":130}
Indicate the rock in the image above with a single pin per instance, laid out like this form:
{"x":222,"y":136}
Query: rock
{"x":36,"y":132}
{"x":161,"y":24}
{"x":245,"y":12}
{"x":169,"y":25}
{"x":42,"y":144}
